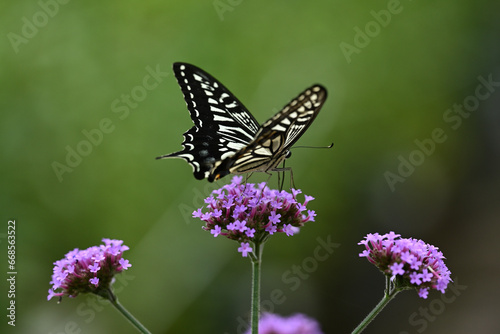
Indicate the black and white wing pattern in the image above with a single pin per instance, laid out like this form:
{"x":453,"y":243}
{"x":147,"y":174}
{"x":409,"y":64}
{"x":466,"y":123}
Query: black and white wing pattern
{"x":222,"y":124}
{"x":276,"y":136}
{"x":226,"y":138}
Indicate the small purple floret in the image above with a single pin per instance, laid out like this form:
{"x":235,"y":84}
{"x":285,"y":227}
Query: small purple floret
{"x":245,"y":249}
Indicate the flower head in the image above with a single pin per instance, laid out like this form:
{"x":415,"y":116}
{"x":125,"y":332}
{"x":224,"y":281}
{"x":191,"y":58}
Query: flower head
{"x":250,"y":212}
{"x":294,"y":324}
{"x":410,"y":262}
{"x":89,"y":270}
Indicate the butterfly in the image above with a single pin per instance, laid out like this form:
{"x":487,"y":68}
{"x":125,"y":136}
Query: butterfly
{"x":226,"y":138}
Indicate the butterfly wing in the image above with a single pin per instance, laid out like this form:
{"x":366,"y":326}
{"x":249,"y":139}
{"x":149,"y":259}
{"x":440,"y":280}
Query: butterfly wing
{"x":222,"y":124}
{"x":272,"y":142}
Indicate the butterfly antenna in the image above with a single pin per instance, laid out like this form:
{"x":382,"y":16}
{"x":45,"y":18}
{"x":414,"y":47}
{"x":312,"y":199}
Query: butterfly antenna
{"x":329,"y":146}
{"x":268,"y":178}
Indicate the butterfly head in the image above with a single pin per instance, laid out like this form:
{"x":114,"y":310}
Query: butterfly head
{"x":216,"y":177}
{"x":220,"y":169}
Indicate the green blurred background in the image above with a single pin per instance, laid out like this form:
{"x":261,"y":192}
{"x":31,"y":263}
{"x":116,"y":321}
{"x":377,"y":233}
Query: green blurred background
{"x":66,"y":66}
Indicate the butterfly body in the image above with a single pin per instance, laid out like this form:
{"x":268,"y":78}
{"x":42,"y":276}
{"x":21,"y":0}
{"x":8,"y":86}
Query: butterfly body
{"x":226,"y":138}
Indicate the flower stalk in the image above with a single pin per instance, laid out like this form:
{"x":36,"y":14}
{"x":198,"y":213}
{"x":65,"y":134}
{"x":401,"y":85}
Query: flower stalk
{"x":256,"y":266}
{"x":140,"y":327}
{"x":389,"y":294}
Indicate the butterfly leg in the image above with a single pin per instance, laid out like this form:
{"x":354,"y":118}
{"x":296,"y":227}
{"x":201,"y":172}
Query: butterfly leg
{"x":281,"y":182}
{"x":268,"y":178}
{"x":292,"y":182}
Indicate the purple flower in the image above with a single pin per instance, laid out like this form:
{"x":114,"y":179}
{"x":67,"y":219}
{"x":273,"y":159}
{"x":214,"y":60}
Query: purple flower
{"x":276,"y":205}
{"x":240,"y":226}
{"x":94,"y":281}
{"x":274,"y":218}
{"x":415,"y":278}
{"x":294,"y":324}
{"x":216,"y":231}
{"x":89,"y":270}
{"x":197,"y":213}
{"x":397,"y":269}
{"x":239,"y":209}
{"x":410,"y":262}
{"x":308,"y":199}
{"x":310,"y":215}
{"x":271,"y":229}
{"x":249,"y":212}
{"x":423,"y":293}
{"x":125,"y":264}
{"x":250,"y":232}
{"x":288,"y":229}
{"x":245,"y":249}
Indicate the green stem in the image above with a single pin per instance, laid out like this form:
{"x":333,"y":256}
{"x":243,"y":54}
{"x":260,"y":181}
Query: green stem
{"x":389,"y":294}
{"x":256,"y":262}
{"x":114,"y":301}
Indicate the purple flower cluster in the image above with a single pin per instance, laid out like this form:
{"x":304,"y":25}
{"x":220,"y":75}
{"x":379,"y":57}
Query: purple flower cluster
{"x":249,"y":212}
{"x":411,"y":261}
{"x":88,"y":270}
{"x":294,"y":324}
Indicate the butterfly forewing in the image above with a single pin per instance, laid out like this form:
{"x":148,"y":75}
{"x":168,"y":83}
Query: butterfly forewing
{"x":213,"y":106}
{"x":222,"y":124}
{"x":294,"y":119}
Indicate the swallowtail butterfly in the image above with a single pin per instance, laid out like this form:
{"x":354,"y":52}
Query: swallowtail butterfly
{"x":226,"y":138}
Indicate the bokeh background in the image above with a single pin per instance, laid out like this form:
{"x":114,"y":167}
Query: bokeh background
{"x":68,"y":67}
